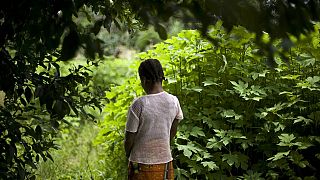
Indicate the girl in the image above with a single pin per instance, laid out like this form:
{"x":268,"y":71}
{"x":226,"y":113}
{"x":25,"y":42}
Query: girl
{"x":152,"y":122}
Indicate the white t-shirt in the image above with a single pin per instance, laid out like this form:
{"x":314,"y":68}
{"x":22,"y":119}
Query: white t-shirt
{"x":151,"y":117}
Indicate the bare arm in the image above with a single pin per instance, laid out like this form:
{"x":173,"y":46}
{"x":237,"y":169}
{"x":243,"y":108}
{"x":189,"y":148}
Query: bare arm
{"x":173,"y":130}
{"x":128,"y":142}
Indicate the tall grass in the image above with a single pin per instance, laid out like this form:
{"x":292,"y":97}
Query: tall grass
{"x":77,"y":157}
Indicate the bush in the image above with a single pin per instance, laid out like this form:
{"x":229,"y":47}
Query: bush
{"x":243,"y":119}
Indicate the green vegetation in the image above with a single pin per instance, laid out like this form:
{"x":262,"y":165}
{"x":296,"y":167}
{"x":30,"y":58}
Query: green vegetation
{"x":80,"y":154}
{"x":36,"y":104}
{"x":76,"y":158}
{"x":242,"y":119}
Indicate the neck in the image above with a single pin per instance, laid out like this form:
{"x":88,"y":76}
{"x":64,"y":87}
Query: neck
{"x":155,"y":88}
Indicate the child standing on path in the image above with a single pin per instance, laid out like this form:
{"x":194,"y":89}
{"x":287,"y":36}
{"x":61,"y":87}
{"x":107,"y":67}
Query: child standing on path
{"x":152,"y":122}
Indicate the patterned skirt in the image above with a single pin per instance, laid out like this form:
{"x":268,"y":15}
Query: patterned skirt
{"x":137,"y":171}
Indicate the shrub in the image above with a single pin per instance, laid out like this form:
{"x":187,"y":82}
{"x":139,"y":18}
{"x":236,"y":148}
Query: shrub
{"x":243,"y":119}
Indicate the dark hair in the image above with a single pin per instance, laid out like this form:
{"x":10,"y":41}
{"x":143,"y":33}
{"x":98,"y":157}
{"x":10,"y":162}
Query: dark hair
{"x":152,"y":70}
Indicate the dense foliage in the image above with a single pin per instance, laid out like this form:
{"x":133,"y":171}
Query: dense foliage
{"x":78,"y":155}
{"x":39,"y":34}
{"x":278,"y":18}
{"x":242,"y":119}
{"x":111,"y":135}
{"x":35,"y":94}
{"x":35,"y":37}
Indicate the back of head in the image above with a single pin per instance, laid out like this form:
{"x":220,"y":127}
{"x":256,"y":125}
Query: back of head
{"x":151,"y":69}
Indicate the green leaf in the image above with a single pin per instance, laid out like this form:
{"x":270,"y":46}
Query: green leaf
{"x":226,"y":141}
{"x":279,"y":126}
{"x":278,"y":156}
{"x":298,"y":159}
{"x":225,"y":64}
{"x":231,"y":159}
{"x":290,"y":76}
{"x":220,"y":133}
{"x":210,"y":164}
{"x":306,"y":60}
{"x":265,"y":38}
{"x":187,"y":153}
{"x":206,"y":155}
{"x":255,"y":75}
{"x":277,"y":107}
{"x":286,"y":138}
{"x":234,"y":83}
{"x":302,"y":119}
{"x":257,"y":98}
{"x":196,"y":131}
{"x":263,"y":74}
{"x":241,"y":87}
{"x":188,"y":149}
{"x":302,"y":145}
{"x":110,"y":94}
{"x":228,"y":113}
{"x":214,"y":144}
{"x":209,"y":83}
{"x":244,"y":145}
{"x":313,"y":80}
{"x":252,"y":175}
{"x":196,"y":89}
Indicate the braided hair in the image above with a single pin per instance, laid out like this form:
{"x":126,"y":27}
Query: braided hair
{"x":152,"y":70}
